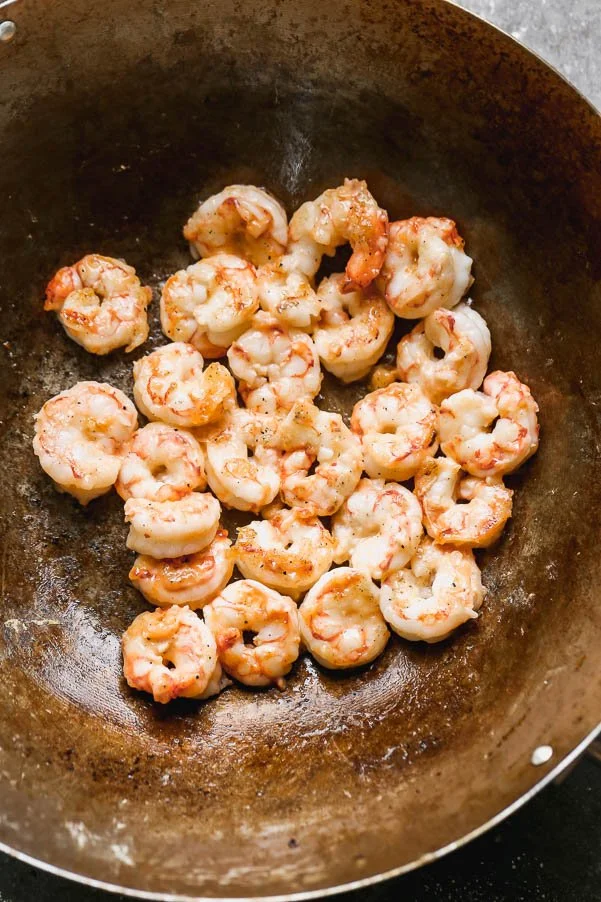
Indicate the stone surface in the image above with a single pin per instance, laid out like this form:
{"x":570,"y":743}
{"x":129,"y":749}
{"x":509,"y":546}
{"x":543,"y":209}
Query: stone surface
{"x":565,"y":34}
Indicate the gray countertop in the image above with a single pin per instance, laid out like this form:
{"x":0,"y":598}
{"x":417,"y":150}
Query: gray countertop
{"x":566,"y":34}
{"x":551,"y":850}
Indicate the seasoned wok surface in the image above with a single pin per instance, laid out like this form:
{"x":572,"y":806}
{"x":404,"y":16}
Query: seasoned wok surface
{"x":115,"y":121}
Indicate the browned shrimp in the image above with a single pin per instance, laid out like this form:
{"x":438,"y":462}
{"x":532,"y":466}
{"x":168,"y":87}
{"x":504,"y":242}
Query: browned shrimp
{"x":193,"y":580}
{"x":171,"y":653}
{"x":171,"y":385}
{"x":100,"y":304}
{"x":339,"y":215}
{"x":475,"y":524}
{"x":425,"y":267}
{"x":468,"y":436}
{"x":246,"y":607}
{"x":340,"y":620}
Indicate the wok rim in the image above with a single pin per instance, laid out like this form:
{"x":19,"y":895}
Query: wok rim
{"x":429,"y":857}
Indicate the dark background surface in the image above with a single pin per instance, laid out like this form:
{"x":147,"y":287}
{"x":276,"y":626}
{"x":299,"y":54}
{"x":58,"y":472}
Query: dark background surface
{"x":549,"y":851}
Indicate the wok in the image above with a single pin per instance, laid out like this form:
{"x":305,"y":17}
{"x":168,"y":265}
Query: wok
{"x":115,"y":118}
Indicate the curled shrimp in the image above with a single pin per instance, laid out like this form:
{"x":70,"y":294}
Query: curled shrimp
{"x":340,"y":620}
{"x":425,"y":267}
{"x":378,"y":528}
{"x":468,"y":436}
{"x":275,"y":366}
{"x":165,"y":529}
{"x":397,"y":428}
{"x":313,"y":439}
{"x":171,"y":654}
{"x":170,"y":385}
{"x":340,"y":215}
{"x":100,"y":304}
{"x":353,"y":329}
{"x":192,"y":580}
{"x":463,"y":336}
{"x":210,"y":303}
{"x":257,"y":633}
{"x":81,"y":436}
{"x":288,"y":552}
{"x":288,"y":294}
{"x":475,"y":523}
{"x":242,"y":220}
{"x":162,"y":464}
{"x":439,"y":590}
{"x":241,"y":470}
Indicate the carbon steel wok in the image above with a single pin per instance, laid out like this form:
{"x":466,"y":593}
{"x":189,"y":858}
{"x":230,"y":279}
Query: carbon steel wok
{"x":115,"y":118}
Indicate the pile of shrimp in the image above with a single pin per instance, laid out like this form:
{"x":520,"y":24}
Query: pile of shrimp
{"x":353,"y":528}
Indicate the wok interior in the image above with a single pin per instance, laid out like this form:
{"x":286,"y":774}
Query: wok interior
{"x":116,"y":119}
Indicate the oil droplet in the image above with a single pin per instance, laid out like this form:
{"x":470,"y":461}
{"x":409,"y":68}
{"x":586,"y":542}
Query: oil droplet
{"x":541,"y":755}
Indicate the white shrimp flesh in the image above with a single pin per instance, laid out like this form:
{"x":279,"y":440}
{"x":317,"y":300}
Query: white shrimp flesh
{"x":257,"y":633}
{"x":464,"y":341}
{"x":161,"y":463}
{"x":353,"y":328}
{"x":321,"y":459}
{"x":492,"y":432}
{"x":100,"y":304}
{"x":81,"y":437}
{"x":397,"y":427}
{"x":192,"y":580}
{"x":171,"y":654}
{"x":461,"y":510}
{"x":288,"y":552}
{"x":378,"y":528}
{"x":350,"y":214}
{"x":166,"y":529}
{"x":340,"y":620}
{"x":242,"y":220}
{"x":210,"y":303}
{"x":425,"y":267}
{"x":275,"y":366}
{"x":439,"y":590}
{"x":171,"y":386}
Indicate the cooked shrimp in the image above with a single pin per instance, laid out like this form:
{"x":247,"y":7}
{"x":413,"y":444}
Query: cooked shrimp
{"x":466,"y":419}
{"x":164,"y":529}
{"x":242,"y":220}
{"x":275,"y":366}
{"x":378,"y":528}
{"x":340,"y":620}
{"x":100,"y":304}
{"x":193,"y":580}
{"x":288,"y":552}
{"x":288,"y":295}
{"x":81,"y":435}
{"x":171,"y":654}
{"x":353,"y":329}
{"x":217,"y":683}
{"x":241,"y":470}
{"x":257,"y":633}
{"x":397,"y":428}
{"x":161,"y":464}
{"x":210,"y":303}
{"x":382,"y":376}
{"x":171,"y":385}
{"x":463,"y":336}
{"x":316,"y":439}
{"x":475,"y":524}
{"x":440,"y":590}
{"x":425,"y":267}
{"x":340,"y":215}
